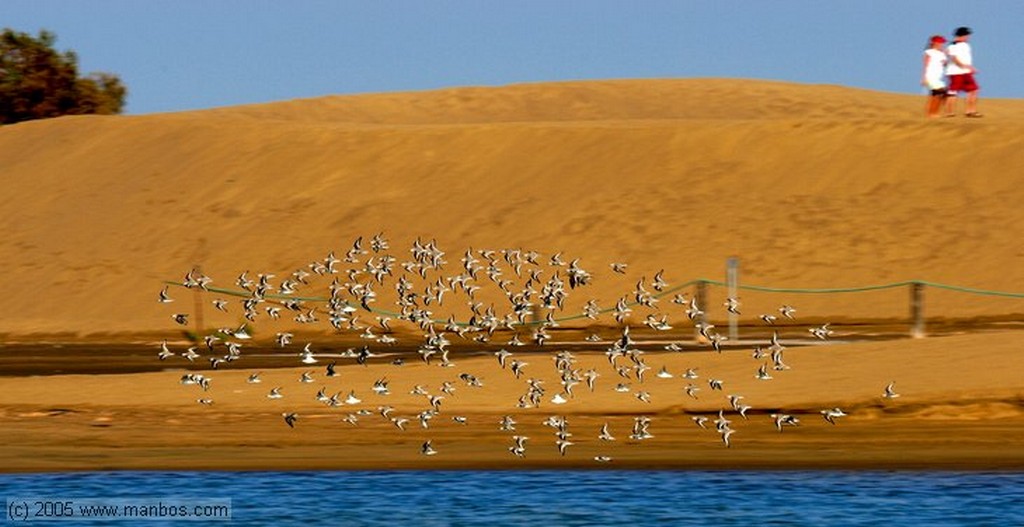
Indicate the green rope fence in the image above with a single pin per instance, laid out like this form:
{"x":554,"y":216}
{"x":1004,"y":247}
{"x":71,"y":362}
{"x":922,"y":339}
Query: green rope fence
{"x":669,"y":291}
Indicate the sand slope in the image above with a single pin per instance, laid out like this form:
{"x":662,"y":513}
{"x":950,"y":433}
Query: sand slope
{"x":811,"y":186}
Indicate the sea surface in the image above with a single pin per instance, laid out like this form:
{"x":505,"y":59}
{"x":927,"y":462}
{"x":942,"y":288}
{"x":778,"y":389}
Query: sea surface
{"x":538,"y":498}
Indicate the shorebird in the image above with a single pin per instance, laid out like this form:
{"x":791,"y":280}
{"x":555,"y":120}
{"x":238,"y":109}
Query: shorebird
{"x":722,"y":423}
{"x":563,"y":445}
{"x":558,"y":399}
{"x":605,"y":435}
{"x":822,"y":332}
{"x":242,"y":333}
{"x":732,"y":305}
{"x":590,"y":376}
{"x":330,"y":370}
{"x":181,"y":318}
{"x":400,"y":422}
{"x":700,"y":421}
{"x":734,"y":401}
{"x":890,"y":392}
{"x":470,"y":380}
{"x":164,"y":298}
{"x":640,"y":425}
{"x":448,"y":388}
{"x":205,"y":402}
{"x":307,"y":355}
{"x":517,"y":367}
{"x":519,"y":447}
{"x":427,"y":449}
{"x":664,"y":374}
{"x":220,"y":305}
{"x":787,"y":311}
{"x":619,"y":267}
{"x":380,"y":387}
{"x":704,"y":329}
{"x":715,"y":384}
{"x":254,"y":378}
{"x":352,"y":399}
{"x":306,"y":377}
{"x":716,"y":341}
{"x":658,"y":282}
{"x":643,"y":396}
{"x":418,"y":390}
{"x":782,"y":420}
{"x":692,"y":390}
{"x":190,"y":354}
{"x":832,"y":414}
{"x":777,"y":363}
{"x":602,"y":459}
{"x":691,"y":373}
{"x":769,"y":319}
{"x":502,"y":355}
{"x":290,"y":418}
{"x":762,"y":373}
{"x":507,"y":424}
{"x":165,"y":353}
{"x":726,"y":433}
{"x":275,"y":393}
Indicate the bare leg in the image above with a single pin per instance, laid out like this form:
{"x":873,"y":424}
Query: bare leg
{"x":934,"y":105}
{"x":951,"y":104}
{"x":972,"y":102}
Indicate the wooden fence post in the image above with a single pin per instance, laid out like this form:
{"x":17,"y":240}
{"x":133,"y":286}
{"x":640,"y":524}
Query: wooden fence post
{"x":198,"y":304}
{"x":732,"y":278}
{"x":917,"y":327}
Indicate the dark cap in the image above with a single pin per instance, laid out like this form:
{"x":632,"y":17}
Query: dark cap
{"x":962,"y":31}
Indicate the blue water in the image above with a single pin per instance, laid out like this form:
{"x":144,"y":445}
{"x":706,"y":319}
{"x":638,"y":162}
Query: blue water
{"x":562,"y":498}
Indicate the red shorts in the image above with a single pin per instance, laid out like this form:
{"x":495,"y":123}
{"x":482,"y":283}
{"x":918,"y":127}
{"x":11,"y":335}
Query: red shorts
{"x":965,"y":82}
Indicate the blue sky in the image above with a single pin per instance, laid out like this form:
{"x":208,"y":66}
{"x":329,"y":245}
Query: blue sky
{"x":189,"y":54}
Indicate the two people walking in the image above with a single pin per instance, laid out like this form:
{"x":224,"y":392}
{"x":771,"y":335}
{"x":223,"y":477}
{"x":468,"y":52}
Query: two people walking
{"x":955,"y":65}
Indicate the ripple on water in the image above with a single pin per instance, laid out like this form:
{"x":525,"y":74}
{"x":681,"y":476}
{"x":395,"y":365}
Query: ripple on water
{"x":570,"y":498}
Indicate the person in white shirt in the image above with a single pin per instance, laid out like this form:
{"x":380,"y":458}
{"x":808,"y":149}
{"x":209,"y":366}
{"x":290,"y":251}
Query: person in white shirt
{"x":960,"y":70}
{"x":933,"y":76}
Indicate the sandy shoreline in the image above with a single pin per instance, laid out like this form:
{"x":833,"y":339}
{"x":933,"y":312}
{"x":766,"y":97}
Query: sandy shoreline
{"x":961,"y":407}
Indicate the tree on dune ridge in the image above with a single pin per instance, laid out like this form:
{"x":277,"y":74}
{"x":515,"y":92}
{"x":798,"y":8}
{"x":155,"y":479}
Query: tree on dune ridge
{"x":37,"y":81}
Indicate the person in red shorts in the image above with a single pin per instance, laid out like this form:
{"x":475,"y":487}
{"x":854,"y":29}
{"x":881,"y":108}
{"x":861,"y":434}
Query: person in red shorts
{"x":960,"y":70}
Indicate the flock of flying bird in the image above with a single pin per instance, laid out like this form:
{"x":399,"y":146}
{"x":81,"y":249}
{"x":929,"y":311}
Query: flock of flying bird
{"x":354,"y":290}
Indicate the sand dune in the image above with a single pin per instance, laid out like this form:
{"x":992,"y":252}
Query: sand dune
{"x":810,"y":186}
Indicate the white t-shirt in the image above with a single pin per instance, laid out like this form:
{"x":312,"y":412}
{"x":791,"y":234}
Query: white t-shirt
{"x":933,"y":73}
{"x":961,"y":51}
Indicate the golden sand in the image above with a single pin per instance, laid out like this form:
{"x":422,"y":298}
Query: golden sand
{"x":810,"y":186}
{"x":961,"y":405}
